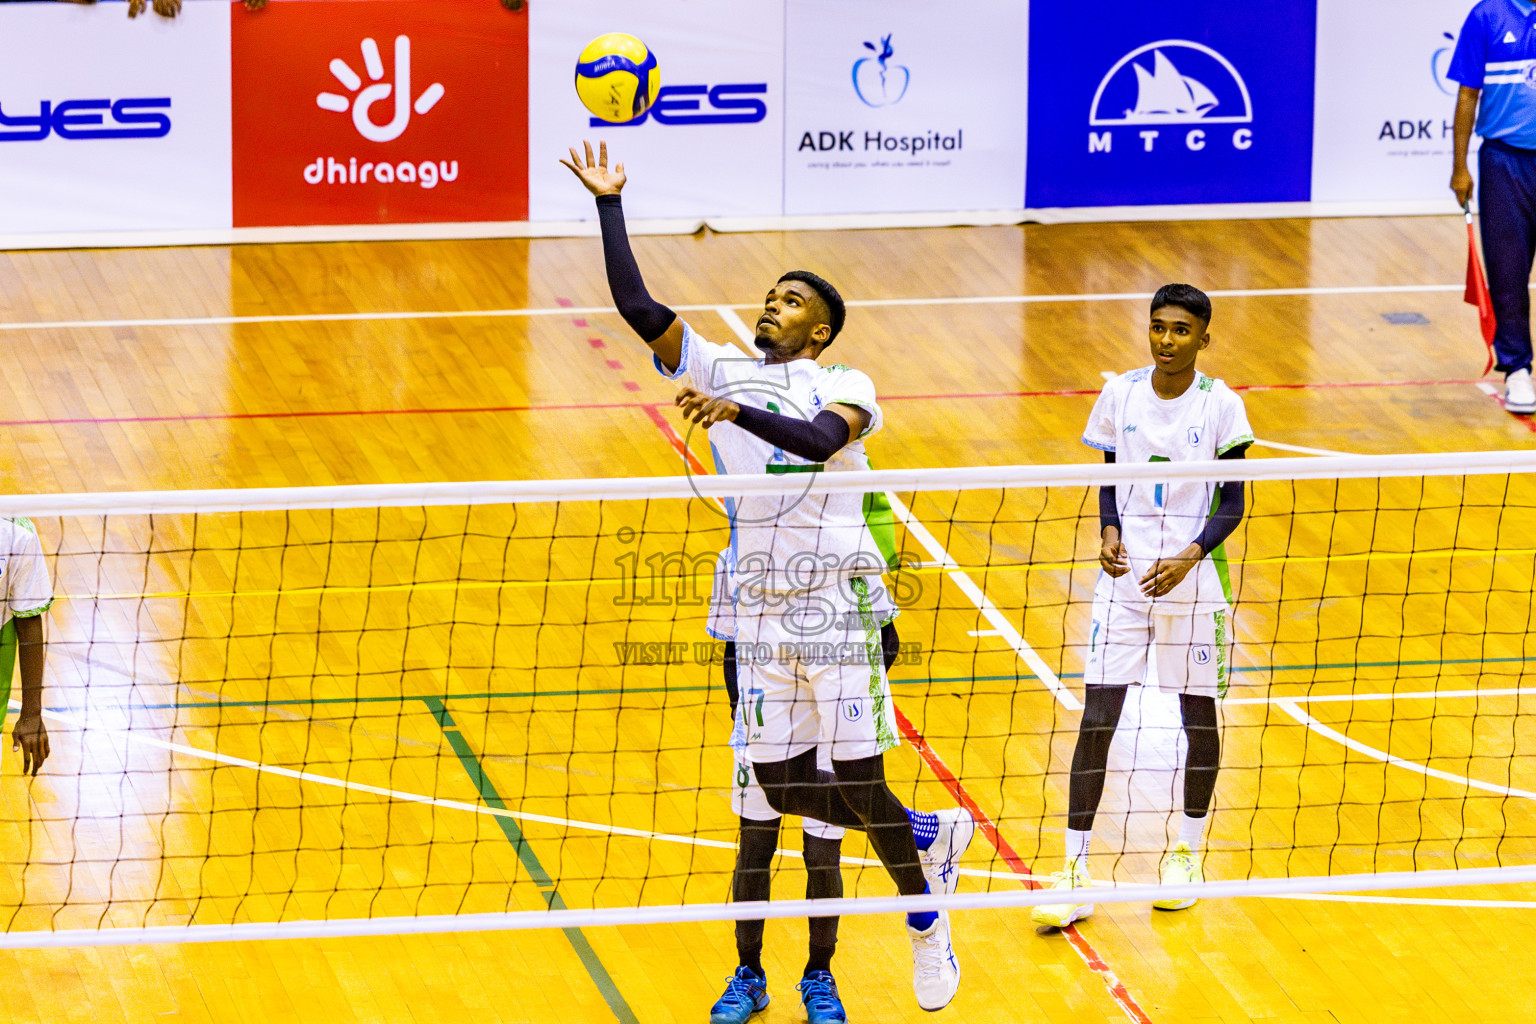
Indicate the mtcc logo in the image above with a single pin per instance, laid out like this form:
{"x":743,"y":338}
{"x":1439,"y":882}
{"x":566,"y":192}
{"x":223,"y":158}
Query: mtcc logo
{"x":1167,"y":83}
{"x":400,"y":89}
{"x":878,"y":82}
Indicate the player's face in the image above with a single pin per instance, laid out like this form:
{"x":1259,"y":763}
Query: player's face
{"x":791,"y":325}
{"x":1176,"y":336}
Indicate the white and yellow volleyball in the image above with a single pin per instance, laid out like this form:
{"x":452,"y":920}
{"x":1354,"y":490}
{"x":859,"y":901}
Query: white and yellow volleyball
{"x":616,"y":77}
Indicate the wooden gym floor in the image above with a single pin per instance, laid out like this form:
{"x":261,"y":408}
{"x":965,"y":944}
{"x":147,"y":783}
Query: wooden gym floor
{"x":300,"y":365}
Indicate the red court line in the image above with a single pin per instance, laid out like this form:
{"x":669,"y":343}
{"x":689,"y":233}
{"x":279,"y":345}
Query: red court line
{"x":1080,"y":945}
{"x":577,"y":406}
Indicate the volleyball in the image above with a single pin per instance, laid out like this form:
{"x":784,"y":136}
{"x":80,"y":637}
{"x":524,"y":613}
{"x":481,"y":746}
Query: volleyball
{"x":617,"y":77}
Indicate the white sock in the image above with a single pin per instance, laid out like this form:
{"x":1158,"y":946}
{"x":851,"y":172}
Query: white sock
{"x":1192,"y":830}
{"x":1077,"y":845}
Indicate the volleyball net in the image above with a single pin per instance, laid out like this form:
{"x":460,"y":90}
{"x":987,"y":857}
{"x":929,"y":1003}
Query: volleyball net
{"x":450,"y":707}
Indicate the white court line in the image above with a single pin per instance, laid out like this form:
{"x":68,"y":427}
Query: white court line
{"x":138,"y":736}
{"x":957,"y":300}
{"x":1298,"y":449}
{"x":1291,"y":708}
{"x":941,"y":558}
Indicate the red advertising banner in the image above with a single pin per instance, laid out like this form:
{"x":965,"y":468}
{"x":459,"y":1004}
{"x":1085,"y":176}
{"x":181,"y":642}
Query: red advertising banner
{"x":380,"y":111}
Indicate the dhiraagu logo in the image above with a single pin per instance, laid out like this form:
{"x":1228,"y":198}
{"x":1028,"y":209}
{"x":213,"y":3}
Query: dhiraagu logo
{"x":360,"y":103}
{"x":878,"y":82}
{"x":1156,"y":90}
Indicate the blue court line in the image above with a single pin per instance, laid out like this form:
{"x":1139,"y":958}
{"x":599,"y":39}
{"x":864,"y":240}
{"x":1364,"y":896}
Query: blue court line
{"x":192,"y":705}
{"x":530,"y":860}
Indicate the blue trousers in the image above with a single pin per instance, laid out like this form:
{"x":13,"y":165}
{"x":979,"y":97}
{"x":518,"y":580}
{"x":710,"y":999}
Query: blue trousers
{"x":1506,"y":192}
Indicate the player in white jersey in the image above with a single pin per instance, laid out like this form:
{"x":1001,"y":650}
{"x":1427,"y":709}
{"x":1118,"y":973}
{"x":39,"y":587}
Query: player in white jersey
{"x":1164,"y":591}
{"x":808,"y":570}
{"x":759,"y":836}
{"x":25,"y":594}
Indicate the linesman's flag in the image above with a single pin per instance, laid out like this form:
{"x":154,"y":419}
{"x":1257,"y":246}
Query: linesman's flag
{"x":1477,"y":291}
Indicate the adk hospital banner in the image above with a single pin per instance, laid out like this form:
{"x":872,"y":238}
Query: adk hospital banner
{"x":330,"y":118}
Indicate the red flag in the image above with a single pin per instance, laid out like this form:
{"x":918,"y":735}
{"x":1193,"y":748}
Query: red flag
{"x":1477,"y":292}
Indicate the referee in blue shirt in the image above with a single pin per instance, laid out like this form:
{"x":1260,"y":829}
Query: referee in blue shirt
{"x":1495,"y":62}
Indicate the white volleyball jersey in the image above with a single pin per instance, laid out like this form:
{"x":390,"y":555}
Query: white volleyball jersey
{"x":796,"y":540}
{"x":1158,"y":520}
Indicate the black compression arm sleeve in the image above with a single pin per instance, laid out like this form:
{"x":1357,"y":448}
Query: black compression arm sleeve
{"x":1228,"y":512}
{"x":1109,"y":512}
{"x":818,"y":440}
{"x":649,"y":318}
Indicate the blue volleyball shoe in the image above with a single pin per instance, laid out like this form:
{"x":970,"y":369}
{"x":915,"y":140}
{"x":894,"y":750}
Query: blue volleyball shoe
{"x":745,"y":994}
{"x":819,"y":993}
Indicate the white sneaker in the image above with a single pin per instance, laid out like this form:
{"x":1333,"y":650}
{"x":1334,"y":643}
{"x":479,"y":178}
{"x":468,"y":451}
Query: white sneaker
{"x":1519,"y":394}
{"x":942,"y":859}
{"x":1074,"y":875}
{"x":935,"y":971}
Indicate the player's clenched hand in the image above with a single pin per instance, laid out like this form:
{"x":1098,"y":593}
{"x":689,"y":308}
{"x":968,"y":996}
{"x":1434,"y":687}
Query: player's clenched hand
{"x":1167,"y":573}
{"x":31,"y":738}
{"x":705,"y":411}
{"x":1112,"y":554}
{"x":600,"y":181}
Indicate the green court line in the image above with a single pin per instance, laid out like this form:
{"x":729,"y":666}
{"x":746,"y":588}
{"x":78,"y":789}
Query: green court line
{"x":530,"y":861}
{"x":192,"y":705}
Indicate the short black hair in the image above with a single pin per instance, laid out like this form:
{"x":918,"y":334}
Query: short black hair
{"x":836,"y":311}
{"x":1187,"y":297}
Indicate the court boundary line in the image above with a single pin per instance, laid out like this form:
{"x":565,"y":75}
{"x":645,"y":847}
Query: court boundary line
{"x":541,"y":311}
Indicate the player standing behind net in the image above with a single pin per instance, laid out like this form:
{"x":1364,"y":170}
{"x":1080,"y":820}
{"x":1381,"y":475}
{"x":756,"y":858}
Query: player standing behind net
{"x":25,"y":594}
{"x":1159,"y":594}
{"x":807,"y":568}
{"x":746,"y":992}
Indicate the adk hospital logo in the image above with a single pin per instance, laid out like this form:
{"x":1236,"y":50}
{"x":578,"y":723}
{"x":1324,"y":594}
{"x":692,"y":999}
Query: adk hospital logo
{"x":1176,"y":101}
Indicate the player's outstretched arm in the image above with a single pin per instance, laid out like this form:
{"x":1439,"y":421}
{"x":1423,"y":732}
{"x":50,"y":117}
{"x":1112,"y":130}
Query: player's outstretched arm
{"x":816,"y":440}
{"x":30,"y":735}
{"x":657,"y":325}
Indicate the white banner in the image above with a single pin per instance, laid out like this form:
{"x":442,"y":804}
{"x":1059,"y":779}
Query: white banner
{"x":112,"y":125}
{"x":712,"y":143}
{"x":892,"y":109}
{"x":1382,"y":130}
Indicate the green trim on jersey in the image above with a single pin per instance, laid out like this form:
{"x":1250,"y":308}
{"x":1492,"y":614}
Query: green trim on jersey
{"x":885,"y":739}
{"x":1245,"y":439}
{"x":856,"y":405}
{"x":1221,"y":651}
{"x":1219,"y":555}
{"x":8,"y":650}
{"x":780,"y":468}
{"x":881,"y":521}
{"x":1205,"y":383}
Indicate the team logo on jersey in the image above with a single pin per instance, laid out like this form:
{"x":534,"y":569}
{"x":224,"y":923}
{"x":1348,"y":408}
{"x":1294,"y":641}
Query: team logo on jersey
{"x":853,"y":710}
{"x":1194,"y":437}
{"x":1200,"y":654}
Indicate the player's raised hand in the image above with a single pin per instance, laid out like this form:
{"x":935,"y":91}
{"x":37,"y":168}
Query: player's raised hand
{"x":31,"y":738}
{"x":1167,"y":573}
{"x":600,"y":181}
{"x":704,"y":410}
{"x":1112,"y":554}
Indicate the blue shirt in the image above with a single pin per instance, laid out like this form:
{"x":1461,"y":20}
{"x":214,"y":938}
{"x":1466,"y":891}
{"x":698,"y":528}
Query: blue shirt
{"x":1496,"y":52}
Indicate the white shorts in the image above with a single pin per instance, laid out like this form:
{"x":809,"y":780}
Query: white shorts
{"x":749,"y":801}
{"x":721,"y":623}
{"x":1194,"y":650}
{"x":811,"y":672}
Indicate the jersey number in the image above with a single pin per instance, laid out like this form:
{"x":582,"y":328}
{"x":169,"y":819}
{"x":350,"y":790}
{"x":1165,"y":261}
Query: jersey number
{"x":1157,"y":491}
{"x":748,"y":705}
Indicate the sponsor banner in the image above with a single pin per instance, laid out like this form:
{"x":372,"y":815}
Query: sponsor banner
{"x":1172,"y":101}
{"x":891,"y":110}
{"x":1384,"y":106}
{"x":380,"y":111}
{"x":112,"y":126}
{"x":712,"y":144}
